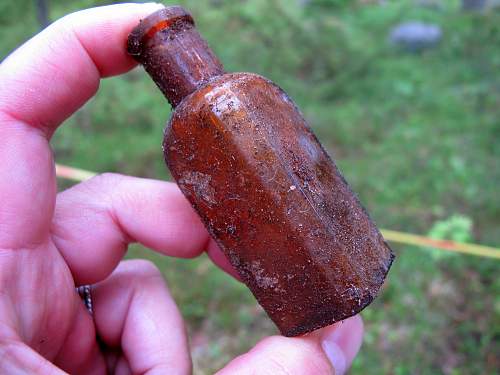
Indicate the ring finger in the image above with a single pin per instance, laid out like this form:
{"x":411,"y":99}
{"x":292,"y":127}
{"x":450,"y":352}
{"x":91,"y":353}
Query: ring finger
{"x":139,"y":323}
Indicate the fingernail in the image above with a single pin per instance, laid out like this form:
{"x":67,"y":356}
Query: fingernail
{"x":341,"y":343}
{"x":334,"y":353}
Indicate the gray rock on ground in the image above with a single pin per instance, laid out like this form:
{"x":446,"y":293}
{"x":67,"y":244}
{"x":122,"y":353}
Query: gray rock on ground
{"x":415,"y":36}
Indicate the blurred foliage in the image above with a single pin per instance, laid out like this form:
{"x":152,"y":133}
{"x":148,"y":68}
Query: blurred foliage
{"x":456,"y":228}
{"x":416,"y":135}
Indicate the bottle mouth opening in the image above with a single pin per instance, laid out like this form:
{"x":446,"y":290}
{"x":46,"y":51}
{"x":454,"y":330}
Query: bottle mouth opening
{"x":152,"y":24}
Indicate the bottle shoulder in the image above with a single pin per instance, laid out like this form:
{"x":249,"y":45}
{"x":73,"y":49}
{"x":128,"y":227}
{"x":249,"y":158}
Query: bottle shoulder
{"x":224,"y":93}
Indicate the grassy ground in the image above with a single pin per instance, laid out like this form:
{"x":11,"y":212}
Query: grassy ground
{"x":416,"y":135}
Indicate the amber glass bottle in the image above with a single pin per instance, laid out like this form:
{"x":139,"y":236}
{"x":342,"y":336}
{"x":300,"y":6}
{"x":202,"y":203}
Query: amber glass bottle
{"x":265,"y":188}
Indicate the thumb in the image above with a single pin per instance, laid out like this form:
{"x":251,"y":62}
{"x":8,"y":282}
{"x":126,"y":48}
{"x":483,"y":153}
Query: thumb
{"x":330,"y":350}
{"x":18,"y":358}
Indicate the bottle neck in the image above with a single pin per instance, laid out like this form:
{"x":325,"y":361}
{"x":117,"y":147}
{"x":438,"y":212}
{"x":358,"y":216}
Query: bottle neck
{"x":173,"y":53}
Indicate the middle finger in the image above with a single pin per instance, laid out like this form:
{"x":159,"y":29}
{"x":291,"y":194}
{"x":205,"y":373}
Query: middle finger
{"x":95,"y":221}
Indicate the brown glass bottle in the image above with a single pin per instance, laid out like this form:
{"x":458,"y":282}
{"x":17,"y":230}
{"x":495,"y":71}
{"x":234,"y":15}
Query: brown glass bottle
{"x":265,"y":188}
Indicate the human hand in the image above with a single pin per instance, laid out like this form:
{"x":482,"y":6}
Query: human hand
{"x":51,"y":242}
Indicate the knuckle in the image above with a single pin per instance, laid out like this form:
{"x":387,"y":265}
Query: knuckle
{"x":101,"y":184}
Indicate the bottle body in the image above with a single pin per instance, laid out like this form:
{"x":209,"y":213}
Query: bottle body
{"x":275,"y":202}
{"x":265,"y":188}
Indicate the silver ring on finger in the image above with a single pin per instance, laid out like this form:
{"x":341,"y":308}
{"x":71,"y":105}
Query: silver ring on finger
{"x":85,"y":294}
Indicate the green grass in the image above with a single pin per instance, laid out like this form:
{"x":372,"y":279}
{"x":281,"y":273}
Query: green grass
{"x":416,"y":135}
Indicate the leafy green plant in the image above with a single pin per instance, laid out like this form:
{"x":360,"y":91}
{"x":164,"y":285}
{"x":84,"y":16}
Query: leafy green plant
{"x":456,"y":228}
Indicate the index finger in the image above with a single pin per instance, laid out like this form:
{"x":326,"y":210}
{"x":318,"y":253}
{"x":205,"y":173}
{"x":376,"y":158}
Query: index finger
{"x":57,"y":71}
{"x":42,"y":83}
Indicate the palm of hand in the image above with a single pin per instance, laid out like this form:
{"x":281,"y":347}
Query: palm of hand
{"x":36,"y":312}
{"x":47,"y":311}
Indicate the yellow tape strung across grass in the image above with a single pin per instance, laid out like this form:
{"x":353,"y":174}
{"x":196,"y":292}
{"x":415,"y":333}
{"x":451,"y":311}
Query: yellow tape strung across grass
{"x":457,"y":247}
{"x":76,"y":174}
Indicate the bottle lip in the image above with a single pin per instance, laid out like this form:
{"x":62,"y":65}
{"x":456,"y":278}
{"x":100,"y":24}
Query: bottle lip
{"x":155,"y":22}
